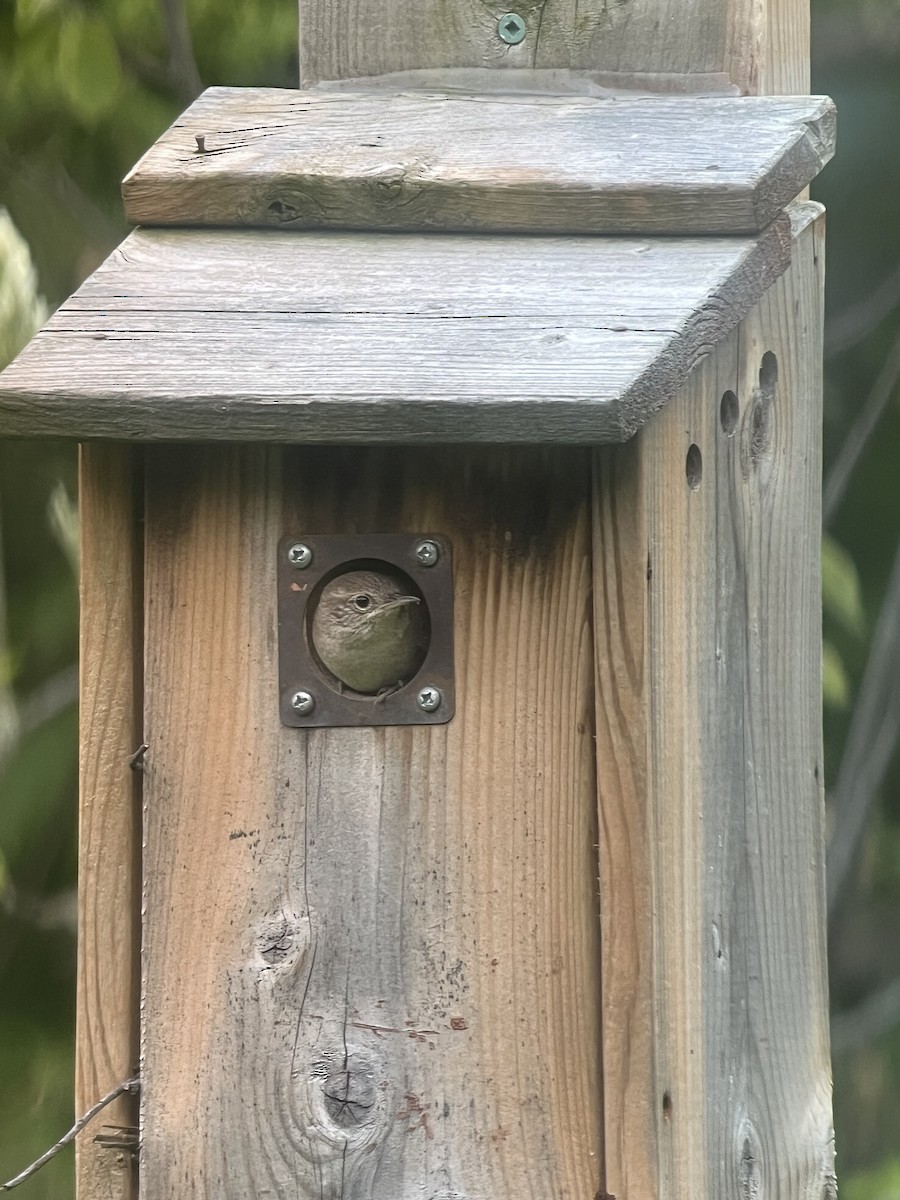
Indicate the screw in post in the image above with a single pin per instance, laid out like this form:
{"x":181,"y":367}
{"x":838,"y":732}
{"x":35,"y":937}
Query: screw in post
{"x":511,"y":28}
{"x":429,"y":699}
{"x":302,"y":703}
{"x":427,"y":553}
{"x":300,"y":555}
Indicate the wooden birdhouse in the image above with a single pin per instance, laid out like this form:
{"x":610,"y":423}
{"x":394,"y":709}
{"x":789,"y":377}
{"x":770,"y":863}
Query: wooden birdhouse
{"x":537,"y":338}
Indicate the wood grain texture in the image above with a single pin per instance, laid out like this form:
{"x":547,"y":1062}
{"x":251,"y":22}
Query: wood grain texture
{"x":742,"y":38}
{"x":519,"y":164}
{"x":109,"y":834}
{"x":537,"y":81}
{"x":371,"y":955}
{"x":767,"y":47}
{"x":346,"y":337}
{"x":715,"y":1031}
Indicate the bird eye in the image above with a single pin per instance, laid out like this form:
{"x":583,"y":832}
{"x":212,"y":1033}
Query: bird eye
{"x":362,"y":602}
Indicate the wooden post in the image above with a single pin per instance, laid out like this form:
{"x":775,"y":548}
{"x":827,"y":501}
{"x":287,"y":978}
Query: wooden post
{"x":109,"y":829}
{"x":759,"y":48}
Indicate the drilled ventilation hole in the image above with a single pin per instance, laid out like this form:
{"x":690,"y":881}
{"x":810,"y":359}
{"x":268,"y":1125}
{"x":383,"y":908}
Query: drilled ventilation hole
{"x":768,"y":372}
{"x":729,"y":411}
{"x":693,"y":467}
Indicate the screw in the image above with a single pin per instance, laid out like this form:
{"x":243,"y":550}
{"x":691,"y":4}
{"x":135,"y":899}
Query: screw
{"x":303,"y":703}
{"x":511,"y":28}
{"x":429,"y":699}
{"x":428,"y":553}
{"x":300,"y":555}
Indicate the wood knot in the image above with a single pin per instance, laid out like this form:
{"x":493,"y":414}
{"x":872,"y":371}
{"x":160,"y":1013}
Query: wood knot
{"x":282,"y":211}
{"x":759,"y":421}
{"x":350,"y":1092}
{"x":749,"y":1166}
{"x":390,"y":184}
{"x":395,"y":185}
{"x":760,"y":426}
{"x":282,"y":937}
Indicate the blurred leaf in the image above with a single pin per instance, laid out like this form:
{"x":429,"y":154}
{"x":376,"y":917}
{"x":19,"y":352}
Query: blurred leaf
{"x":835,"y":685}
{"x":7,"y":668}
{"x":841,"y":594}
{"x":62,"y":513}
{"x":883,"y":1183}
{"x":21,"y":309}
{"x":31,"y":12}
{"x":89,"y":70}
{"x":41,"y":771}
{"x":36,"y":1104}
{"x":883,"y":857}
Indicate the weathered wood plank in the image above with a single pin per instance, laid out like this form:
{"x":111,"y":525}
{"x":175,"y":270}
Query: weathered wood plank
{"x":538,"y":81}
{"x":783,"y":66}
{"x":519,"y":164}
{"x":371,"y":959}
{"x":741,"y":38}
{"x":715,"y":1034}
{"x":342,"y":337}
{"x":109,"y":834}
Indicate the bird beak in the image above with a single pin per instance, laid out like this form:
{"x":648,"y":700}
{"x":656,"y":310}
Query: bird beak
{"x":397,"y":603}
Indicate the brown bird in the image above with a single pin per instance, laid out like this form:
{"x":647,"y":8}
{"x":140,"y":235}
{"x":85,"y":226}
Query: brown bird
{"x":369,"y":631}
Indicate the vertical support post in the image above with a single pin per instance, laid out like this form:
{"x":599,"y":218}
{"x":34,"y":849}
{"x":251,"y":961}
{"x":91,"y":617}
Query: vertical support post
{"x":715,"y":1047}
{"x":707,"y":526}
{"x":760,"y":47}
{"x":109,"y":849}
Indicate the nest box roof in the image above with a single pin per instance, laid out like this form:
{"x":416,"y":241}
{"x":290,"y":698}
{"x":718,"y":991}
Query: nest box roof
{"x":510,"y":319}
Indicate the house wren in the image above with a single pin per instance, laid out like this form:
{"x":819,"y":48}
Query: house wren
{"x":369,"y":631}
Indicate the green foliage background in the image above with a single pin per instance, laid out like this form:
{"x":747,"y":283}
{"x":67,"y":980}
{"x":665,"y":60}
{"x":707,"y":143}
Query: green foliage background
{"x":85,"y":87}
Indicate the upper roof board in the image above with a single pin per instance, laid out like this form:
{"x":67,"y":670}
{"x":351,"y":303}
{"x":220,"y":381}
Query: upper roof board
{"x":513,"y":163}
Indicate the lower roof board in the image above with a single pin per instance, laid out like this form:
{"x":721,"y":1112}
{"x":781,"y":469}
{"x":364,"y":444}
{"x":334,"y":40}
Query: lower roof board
{"x":263,"y":335}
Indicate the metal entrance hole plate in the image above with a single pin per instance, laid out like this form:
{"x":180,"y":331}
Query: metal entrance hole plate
{"x":310,"y":696}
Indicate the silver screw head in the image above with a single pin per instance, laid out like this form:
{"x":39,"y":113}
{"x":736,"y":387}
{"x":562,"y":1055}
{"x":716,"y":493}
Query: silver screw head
{"x":511,"y":28}
{"x":429,"y":699}
{"x":300,"y":555}
{"x":427,"y":553}
{"x":303,"y":703}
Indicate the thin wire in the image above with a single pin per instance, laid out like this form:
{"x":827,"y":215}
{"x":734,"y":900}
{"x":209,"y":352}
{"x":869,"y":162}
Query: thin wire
{"x":130,"y":1085}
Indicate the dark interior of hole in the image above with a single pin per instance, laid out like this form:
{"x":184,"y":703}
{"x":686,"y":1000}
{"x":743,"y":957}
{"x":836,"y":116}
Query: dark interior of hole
{"x":693,"y":466}
{"x":768,"y":372}
{"x":729,"y":412}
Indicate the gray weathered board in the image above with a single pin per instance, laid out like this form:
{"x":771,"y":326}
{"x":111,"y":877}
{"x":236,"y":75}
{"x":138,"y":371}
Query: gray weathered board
{"x":513,"y":163}
{"x":365,"y":337}
{"x":759,"y":48}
